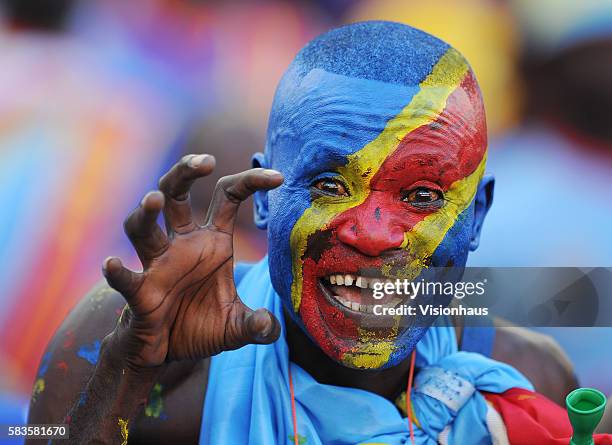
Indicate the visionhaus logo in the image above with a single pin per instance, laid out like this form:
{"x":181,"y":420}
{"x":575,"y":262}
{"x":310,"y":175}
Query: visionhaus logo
{"x":410,"y":290}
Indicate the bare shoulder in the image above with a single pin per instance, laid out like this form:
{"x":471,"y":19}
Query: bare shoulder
{"x":175,"y":406}
{"x":72,"y":353}
{"x":538,"y":356}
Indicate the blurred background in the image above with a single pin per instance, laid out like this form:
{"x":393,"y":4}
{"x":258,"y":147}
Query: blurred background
{"x":99,"y":97}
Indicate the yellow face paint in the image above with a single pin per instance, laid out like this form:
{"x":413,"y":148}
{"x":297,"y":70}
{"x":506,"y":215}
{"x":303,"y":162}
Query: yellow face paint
{"x":425,"y":107}
{"x":369,"y":355}
{"x":422,"y":240}
{"x":426,"y":235}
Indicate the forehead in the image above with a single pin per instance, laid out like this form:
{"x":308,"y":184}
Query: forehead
{"x":329,"y":117}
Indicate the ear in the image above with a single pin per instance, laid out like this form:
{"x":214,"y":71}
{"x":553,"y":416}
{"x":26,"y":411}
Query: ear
{"x":260,"y":198}
{"x":482,"y":204}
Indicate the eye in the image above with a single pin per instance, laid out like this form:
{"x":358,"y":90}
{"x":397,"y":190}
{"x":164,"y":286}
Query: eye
{"x":423,"y":197}
{"x":331,"y":186}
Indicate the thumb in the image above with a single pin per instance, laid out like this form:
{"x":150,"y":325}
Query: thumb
{"x":260,"y":327}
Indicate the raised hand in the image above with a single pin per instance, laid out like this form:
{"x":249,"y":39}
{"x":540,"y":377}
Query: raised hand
{"x":184,"y":304}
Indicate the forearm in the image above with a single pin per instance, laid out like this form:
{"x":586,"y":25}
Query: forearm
{"x":113,"y":397}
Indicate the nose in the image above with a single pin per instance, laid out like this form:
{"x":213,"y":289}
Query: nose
{"x":371,"y":230}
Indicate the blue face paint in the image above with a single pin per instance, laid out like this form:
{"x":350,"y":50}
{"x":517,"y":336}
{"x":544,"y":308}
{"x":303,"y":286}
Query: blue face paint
{"x":375,"y":107}
{"x":333,"y":116}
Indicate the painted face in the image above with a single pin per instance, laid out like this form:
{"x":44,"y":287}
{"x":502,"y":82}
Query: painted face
{"x":380,"y":180}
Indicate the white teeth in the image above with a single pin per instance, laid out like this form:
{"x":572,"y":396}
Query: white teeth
{"x":343,"y":302}
{"x":365,"y":308}
{"x":361,"y":282}
{"x":348,"y":280}
{"x":356,"y":280}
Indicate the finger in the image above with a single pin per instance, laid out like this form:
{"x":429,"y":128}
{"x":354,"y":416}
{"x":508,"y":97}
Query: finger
{"x":260,"y":327}
{"x":176,"y":185}
{"x":143,"y":231}
{"x":232,"y":190}
{"x":120,"y":278}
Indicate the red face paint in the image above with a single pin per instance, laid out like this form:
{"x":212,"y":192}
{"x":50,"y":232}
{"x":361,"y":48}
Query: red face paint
{"x":363,"y":239}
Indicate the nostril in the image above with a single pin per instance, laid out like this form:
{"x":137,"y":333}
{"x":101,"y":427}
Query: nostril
{"x":348,"y":233}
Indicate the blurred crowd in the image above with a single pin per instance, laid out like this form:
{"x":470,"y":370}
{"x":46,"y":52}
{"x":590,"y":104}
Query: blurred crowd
{"x":98,"y":98}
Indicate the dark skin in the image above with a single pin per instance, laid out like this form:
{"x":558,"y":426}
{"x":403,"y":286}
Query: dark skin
{"x":183,"y":308}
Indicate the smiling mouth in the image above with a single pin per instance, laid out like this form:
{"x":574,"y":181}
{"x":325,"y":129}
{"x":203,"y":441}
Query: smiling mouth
{"x":355,"y":293}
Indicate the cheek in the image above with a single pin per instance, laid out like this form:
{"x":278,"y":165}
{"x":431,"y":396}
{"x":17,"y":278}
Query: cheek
{"x":454,"y":248}
{"x":285,"y":208}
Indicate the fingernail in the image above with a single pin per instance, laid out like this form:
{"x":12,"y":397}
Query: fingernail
{"x":270,"y":172}
{"x":105,"y":262}
{"x":197,"y":160}
{"x":144,"y":199}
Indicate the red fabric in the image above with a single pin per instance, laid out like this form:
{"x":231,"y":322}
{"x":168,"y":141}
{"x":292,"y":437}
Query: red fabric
{"x":532,"y":419}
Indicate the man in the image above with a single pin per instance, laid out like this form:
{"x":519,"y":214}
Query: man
{"x":373,"y":168}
